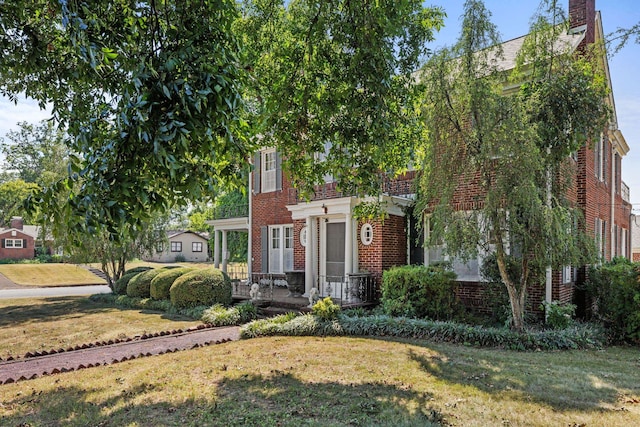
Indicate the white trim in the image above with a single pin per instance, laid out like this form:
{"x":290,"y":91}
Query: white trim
{"x":366,"y":234}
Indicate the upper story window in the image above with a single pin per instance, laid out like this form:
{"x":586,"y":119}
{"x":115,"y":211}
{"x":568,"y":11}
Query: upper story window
{"x":268,"y":171}
{"x":600,"y":158}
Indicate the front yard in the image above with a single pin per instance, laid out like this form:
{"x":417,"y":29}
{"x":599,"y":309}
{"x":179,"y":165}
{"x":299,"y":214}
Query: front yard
{"x":316,"y":381}
{"x":49,"y":274}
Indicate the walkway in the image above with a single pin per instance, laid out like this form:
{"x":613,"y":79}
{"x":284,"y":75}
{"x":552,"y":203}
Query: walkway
{"x":99,"y":354}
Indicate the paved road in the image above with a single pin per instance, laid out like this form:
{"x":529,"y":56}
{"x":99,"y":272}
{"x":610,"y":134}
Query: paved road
{"x":66,"y":291}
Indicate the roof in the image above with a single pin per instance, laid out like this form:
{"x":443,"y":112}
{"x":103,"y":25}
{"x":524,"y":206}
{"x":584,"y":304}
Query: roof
{"x":174,"y":233}
{"x":29,"y":230}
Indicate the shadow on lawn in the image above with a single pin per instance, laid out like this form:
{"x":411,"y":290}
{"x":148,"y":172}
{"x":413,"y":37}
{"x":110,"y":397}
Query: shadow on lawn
{"x":543,"y":377}
{"x":277,"y":400}
{"x":63,"y":308}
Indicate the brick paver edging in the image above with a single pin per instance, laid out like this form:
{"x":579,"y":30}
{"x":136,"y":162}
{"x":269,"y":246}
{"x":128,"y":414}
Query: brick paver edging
{"x":34,"y":366}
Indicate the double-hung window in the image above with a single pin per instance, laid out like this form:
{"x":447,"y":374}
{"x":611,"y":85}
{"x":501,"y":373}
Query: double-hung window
{"x":176,"y":246}
{"x":13,"y":243}
{"x":196,"y":247}
{"x":280,"y":248}
{"x":268,"y":170}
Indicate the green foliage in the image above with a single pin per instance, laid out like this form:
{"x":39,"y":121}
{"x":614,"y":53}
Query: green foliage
{"x":218,"y":315}
{"x":201,"y":287}
{"x":338,"y":71}
{"x":559,"y":316}
{"x":139,"y":269}
{"x":326,"y":309}
{"x":614,"y":288}
{"x":582,"y":336}
{"x":419,"y":291}
{"x":13,"y":194}
{"x":120,"y":285}
{"x":149,"y":93}
{"x":149,"y":304}
{"x":140,"y":285}
{"x":180,"y":258}
{"x":160,"y":285}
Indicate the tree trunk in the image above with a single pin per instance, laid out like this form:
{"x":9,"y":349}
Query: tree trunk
{"x":516,"y":296}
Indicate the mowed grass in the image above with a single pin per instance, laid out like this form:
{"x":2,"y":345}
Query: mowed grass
{"x":46,"y":275}
{"x":338,"y":381}
{"x":36,"y":324}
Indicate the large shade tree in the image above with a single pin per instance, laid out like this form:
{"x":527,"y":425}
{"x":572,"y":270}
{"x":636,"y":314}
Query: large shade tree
{"x":148,"y":91}
{"x":335,"y":79}
{"x":503,"y":140}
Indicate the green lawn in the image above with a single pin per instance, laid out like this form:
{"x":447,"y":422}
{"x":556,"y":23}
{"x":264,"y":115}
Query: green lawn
{"x":44,"y":275}
{"x":314,"y":381}
{"x":36,"y":324}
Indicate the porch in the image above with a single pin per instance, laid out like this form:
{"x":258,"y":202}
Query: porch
{"x":357,"y":290}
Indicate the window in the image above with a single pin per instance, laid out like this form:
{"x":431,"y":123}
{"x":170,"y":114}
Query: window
{"x":303,"y":236}
{"x":13,"y":243}
{"x":159,"y":247}
{"x":176,"y":246}
{"x":600,"y":237}
{"x":268,"y":171}
{"x":599,"y":158}
{"x":280,"y":248}
{"x":196,"y":247}
{"x":567,"y":274}
{"x":366,"y":234}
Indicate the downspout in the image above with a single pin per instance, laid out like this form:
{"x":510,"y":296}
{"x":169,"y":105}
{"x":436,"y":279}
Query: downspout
{"x":250,"y":221}
{"x":548,"y":273}
{"x":612,"y":186}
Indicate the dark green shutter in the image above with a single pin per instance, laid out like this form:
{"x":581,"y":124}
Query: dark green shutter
{"x":256,"y":172}
{"x":3,"y":242}
{"x":278,"y":171}
{"x":264,"y":249}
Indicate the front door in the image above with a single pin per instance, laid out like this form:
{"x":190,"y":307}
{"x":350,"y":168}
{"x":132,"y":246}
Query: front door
{"x":334,"y":256}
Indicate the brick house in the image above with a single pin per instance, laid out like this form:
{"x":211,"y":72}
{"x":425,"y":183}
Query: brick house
{"x":321,"y":237}
{"x":18,"y":241}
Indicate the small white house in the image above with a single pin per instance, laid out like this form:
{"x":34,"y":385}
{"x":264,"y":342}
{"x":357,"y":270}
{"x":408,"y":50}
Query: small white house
{"x":181,"y":246}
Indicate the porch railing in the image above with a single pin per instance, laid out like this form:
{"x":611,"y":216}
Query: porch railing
{"x":355,"y":289}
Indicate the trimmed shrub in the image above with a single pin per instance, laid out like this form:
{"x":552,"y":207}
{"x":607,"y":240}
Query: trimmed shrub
{"x":205,"y":286}
{"x":140,"y":269}
{"x":615,"y":291}
{"x":160,"y":285}
{"x":420,"y":291}
{"x":140,"y":285}
{"x":559,"y":316}
{"x":120,"y":286}
{"x":326,"y":309}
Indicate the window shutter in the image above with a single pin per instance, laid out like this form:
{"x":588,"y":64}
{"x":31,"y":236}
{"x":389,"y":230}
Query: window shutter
{"x":264,"y":249}
{"x":3,"y":242}
{"x":256,"y":172}
{"x":278,"y":171}
{"x":24,"y":243}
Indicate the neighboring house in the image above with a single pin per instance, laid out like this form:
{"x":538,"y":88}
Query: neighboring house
{"x":635,"y":238}
{"x":18,"y":241}
{"x":322,"y":238}
{"x":181,"y":245}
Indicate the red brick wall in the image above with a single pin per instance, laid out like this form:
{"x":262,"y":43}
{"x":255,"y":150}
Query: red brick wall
{"x":388,"y":248}
{"x":26,"y":252}
{"x":583,"y":12}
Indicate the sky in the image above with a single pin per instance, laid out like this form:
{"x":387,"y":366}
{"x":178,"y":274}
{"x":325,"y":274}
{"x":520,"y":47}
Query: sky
{"x":512,"y":19}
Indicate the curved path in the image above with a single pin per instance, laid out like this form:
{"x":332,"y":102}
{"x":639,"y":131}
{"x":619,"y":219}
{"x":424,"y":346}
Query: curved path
{"x":33,"y":367}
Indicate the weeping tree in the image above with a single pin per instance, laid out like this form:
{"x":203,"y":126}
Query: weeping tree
{"x":334,"y":80}
{"x":497,"y":161}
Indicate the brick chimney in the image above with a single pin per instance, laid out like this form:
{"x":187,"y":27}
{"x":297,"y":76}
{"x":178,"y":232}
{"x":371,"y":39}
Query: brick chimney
{"x":17,"y":223}
{"x":583,"y":12}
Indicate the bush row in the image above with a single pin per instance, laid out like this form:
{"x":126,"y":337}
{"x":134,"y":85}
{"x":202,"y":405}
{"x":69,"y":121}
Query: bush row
{"x":582,"y":336}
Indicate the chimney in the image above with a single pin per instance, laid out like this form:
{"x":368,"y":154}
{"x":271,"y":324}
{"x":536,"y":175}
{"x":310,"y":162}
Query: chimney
{"x":17,"y":223}
{"x":581,"y":13}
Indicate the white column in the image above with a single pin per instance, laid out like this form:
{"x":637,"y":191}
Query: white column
{"x":308,"y":259}
{"x":348,"y":246}
{"x":216,"y":249}
{"x":225,"y":254}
